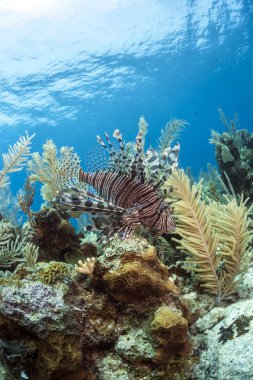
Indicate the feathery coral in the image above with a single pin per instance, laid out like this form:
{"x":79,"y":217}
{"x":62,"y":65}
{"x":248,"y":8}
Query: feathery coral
{"x":170,"y":132}
{"x":31,"y":252}
{"x":16,"y":157}
{"x":231,"y":223}
{"x":26,"y":198}
{"x":9,"y":205}
{"x":11,"y":252}
{"x":194,"y":227}
{"x":53,"y":171}
{"x":215,"y":236}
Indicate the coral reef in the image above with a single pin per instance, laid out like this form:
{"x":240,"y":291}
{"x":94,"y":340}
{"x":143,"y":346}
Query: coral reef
{"x":15,"y":247}
{"x":169,"y":330}
{"x":78,"y":327}
{"x":55,"y":271}
{"x":234,"y":155}
{"x":131,"y":308}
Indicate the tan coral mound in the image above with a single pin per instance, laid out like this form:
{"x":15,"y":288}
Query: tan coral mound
{"x":139,"y":276}
{"x":170,"y":332}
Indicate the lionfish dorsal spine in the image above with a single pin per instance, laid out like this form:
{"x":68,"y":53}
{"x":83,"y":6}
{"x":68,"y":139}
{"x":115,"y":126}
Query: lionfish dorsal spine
{"x":108,"y":148}
{"x":108,"y":141}
{"x":137,"y":167}
{"x":123,"y":159}
{"x":117,"y":135}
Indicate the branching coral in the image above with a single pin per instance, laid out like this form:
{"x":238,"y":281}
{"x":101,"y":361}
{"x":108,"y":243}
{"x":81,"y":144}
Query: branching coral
{"x":87,"y":267}
{"x":216,"y":237}
{"x":54,"y":171}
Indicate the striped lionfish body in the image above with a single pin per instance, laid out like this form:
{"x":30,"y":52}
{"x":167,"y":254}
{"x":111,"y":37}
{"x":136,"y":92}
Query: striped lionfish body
{"x":126,"y":195}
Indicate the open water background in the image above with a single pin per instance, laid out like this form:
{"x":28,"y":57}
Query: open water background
{"x":72,"y":69}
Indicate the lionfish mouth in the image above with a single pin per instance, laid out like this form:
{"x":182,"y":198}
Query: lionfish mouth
{"x":128,"y":193}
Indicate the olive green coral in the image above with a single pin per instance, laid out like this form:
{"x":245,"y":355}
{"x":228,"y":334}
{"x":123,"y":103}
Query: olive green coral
{"x":54,"y":272}
{"x":168,"y":326}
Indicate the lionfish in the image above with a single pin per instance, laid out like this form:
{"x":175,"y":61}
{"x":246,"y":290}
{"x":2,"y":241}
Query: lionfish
{"x":128,"y":193}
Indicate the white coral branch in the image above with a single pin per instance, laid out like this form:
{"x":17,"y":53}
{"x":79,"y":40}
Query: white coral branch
{"x":87,"y":267}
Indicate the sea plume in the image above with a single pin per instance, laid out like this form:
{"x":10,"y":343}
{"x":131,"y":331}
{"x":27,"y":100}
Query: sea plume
{"x":216,"y":237}
{"x":16,"y":157}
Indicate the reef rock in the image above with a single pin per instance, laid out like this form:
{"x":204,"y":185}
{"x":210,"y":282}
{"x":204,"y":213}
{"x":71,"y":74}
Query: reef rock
{"x":36,"y":306}
{"x":223,"y":343}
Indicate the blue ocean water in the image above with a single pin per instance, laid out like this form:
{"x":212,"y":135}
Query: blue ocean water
{"x":72,"y":69}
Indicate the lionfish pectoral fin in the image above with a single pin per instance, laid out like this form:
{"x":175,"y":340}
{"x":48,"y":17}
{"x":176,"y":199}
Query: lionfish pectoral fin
{"x":76,"y":202}
{"x":170,"y":155}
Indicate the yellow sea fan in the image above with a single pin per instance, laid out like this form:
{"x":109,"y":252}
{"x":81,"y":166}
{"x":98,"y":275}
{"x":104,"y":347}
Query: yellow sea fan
{"x":231,"y":223}
{"x":216,"y":237}
{"x":194,"y":227}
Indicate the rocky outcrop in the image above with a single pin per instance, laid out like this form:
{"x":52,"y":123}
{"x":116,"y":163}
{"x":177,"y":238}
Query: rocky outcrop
{"x":223,"y":343}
